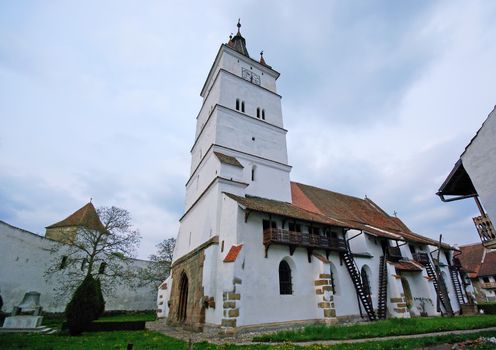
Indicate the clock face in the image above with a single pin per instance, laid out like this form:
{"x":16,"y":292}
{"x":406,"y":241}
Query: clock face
{"x":250,"y":76}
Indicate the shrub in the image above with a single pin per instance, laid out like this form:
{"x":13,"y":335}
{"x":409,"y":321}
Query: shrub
{"x":488,"y":308}
{"x":101,"y":300}
{"x":83,"y":307}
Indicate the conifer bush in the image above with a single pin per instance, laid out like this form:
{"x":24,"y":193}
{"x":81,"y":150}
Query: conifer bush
{"x":83,"y":307}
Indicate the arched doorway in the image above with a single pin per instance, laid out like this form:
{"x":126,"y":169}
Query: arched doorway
{"x":183,"y":298}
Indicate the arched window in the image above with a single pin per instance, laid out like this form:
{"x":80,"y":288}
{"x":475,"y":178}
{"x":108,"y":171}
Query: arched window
{"x":243,"y":106}
{"x":237,"y":104}
{"x":285,"y":284}
{"x":263,"y":114}
{"x":258,"y":112}
{"x":365,"y":281}
{"x":334,"y":284}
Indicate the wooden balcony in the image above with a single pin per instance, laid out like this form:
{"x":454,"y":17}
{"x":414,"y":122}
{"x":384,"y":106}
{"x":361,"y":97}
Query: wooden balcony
{"x":394,"y":253}
{"x":488,"y":285}
{"x":422,"y":258}
{"x":486,"y":231}
{"x":300,"y":239}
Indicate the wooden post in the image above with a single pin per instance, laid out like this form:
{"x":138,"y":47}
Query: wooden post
{"x":438,"y":273}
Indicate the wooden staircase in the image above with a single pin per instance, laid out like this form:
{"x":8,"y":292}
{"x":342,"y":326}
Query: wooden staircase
{"x":440,"y":287}
{"x":362,"y":292}
{"x":457,"y":285}
{"x":382,"y":300}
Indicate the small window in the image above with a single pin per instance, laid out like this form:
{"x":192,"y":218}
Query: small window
{"x":253,"y":168}
{"x":237,"y":104}
{"x":243,"y":106}
{"x":285,"y":284}
{"x":294,"y":227}
{"x":412,"y":248}
{"x":63,"y":263}
{"x":268,"y":224}
{"x":485,"y":279}
{"x":314,"y":230}
{"x":101,"y":269}
{"x":222,"y":247}
{"x":258,"y":112}
{"x":263,"y":114}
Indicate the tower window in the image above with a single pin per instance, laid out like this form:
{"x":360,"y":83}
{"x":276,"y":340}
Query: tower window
{"x":237,"y":104}
{"x":285,"y":283}
{"x":258,"y":112}
{"x":253,"y":173}
{"x":243,"y":106}
{"x":263,"y":114}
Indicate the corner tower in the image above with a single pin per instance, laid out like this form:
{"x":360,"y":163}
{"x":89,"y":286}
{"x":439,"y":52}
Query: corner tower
{"x":240,"y":142}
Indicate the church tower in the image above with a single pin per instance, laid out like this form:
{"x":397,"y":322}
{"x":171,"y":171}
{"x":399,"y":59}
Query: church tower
{"x":240,"y":141}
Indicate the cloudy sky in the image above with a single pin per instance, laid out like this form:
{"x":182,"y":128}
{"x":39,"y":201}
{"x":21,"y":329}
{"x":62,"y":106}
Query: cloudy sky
{"x":98,"y":100}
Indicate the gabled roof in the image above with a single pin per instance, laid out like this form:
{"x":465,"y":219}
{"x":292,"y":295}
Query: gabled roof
{"x":478,"y":261}
{"x":85,"y":217}
{"x":224,"y":158}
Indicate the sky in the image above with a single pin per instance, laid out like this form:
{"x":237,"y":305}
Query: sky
{"x":98,"y":100}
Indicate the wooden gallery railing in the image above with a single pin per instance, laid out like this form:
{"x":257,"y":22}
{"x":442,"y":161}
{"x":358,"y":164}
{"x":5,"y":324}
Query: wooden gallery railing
{"x":300,"y":239}
{"x":486,"y":231}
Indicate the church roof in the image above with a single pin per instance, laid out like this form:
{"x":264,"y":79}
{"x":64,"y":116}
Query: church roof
{"x":224,"y":158}
{"x":86,"y":217}
{"x":238,"y":43}
{"x":407,"y":266}
{"x":363,"y":213}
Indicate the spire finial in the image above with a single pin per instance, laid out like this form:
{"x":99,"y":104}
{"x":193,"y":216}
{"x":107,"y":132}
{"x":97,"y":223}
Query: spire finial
{"x":91,"y":199}
{"x":239,"y":25}
{"x":261,"y":53}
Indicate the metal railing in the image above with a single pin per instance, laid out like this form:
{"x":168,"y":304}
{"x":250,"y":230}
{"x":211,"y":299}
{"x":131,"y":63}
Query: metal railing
{"x":280,"y":236}
{"x":486,"y":231}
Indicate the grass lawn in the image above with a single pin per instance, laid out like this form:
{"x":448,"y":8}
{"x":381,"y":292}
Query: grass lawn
{"x":55,"y":322}
{"x":152,"y":340}
{"x":381,"y":328}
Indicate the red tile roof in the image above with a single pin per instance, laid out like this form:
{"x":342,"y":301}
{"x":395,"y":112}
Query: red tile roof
{"x":86,"y":217}
{"x":363,"y":213}
{"x":407,"y":266}
{"x":233,"y":253}
{"x":477,"y":260}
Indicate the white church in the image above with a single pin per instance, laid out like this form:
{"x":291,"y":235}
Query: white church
{"x":255,"y":249}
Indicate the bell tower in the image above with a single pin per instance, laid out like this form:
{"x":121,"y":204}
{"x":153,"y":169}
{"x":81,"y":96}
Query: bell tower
{"x":240,"y":140}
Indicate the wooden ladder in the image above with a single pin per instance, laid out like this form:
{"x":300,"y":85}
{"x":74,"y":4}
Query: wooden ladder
{"x":440,"y":287}
{"x":382,"y":300}
{"x":457,"y":285}
{"x":363,"y":294}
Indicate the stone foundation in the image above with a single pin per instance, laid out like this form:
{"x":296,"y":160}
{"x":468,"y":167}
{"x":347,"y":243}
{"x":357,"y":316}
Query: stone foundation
{"x":325,"y":298}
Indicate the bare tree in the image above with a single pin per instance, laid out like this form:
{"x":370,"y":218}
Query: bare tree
{"x":159,"y":269}
{"x":104,"y":253}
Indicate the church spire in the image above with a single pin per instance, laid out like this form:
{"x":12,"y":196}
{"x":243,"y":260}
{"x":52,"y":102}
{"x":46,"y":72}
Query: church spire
{"x":237,"y":42}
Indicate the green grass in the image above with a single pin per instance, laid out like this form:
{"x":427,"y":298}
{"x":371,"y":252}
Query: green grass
{"x":55,"y":322}
{"x":152,"y":340}
{"x":381,"y":328}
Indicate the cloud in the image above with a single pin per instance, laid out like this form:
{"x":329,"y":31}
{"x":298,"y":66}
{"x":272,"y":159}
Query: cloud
{"x":99,"y":100}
